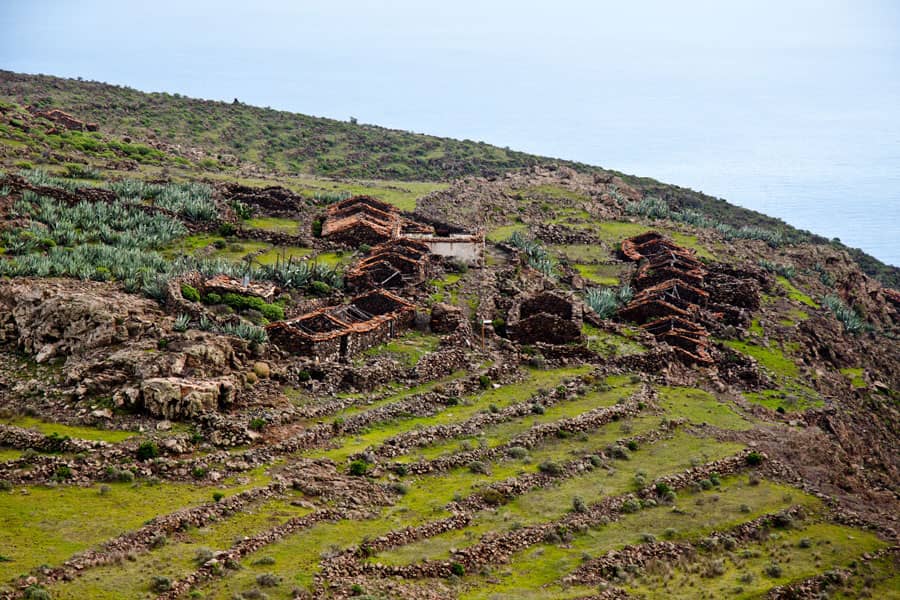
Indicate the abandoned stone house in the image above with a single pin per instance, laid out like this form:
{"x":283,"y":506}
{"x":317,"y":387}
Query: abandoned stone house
{"x":361,"y":220}
{"x":365,"y":220}
{"x":670,"y":295}
{"x":547,"y":317}
{"x":393,"y":264}
{"x":63,"y":118}
{"x":337,"y":332}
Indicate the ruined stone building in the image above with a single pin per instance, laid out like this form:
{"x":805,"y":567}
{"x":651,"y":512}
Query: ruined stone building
{"x":393,"y":265}
{"x":63,"y":118}
{"x":548,"y":317}
{"x":365,"y":220}
{"x":361,"y":220}
{"x":670,"y":295}
{"x":336,"y":332}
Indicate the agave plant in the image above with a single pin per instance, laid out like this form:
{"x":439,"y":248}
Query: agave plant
{"x":182,"y":322}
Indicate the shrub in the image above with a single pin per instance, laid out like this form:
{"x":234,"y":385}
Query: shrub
{"x":648,"y":538}
{"x":227,"y":229}
{"x":5,"y":485}
{"x":774,"y":570}
{"x":484,"y":381}
{"x":190,"y":293}
{"x":705,"y":484}
{"x":358,"y":468}
{"x":805,"y":543}
{"x":36,"y":592}
{"x":217,"y":497}
{"x":160,"y":584}
{"x":518,"y":452}
{"x":62,"y":473}
{"x":631,"y":506}
{"x":212,"y":298}
{"x":632,"y":445}
{"x":754,"y":458}
{"x":147,"y":450}
{"x":319,"y":288}
{"x":257,"y":424}
{"x":578,"y":504}
{"x":550,"y":468}
{"x":479,"y":467}
{"x":268,"y":580}
{"x":457,"y":569}
{"x":662,"y":488}
{"x":398,"y":488}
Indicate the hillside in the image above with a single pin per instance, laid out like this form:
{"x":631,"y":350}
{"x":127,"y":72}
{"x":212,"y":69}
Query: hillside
{"x":220,"y":380}
{"x":220,"y":137}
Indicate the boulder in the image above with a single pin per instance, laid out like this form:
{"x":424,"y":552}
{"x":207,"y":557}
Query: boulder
{"x":177,"y":398}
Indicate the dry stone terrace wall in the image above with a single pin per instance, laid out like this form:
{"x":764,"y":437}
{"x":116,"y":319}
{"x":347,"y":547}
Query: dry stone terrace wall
{"x":499,"y":547}
{"x":629,"y":558}
{"x":585,"y":422}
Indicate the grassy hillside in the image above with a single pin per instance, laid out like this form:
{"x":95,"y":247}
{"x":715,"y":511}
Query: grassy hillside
{"x":223,"y":139}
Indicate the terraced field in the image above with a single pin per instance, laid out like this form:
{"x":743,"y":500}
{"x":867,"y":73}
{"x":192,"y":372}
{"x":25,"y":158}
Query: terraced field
{"x":580,"y":491}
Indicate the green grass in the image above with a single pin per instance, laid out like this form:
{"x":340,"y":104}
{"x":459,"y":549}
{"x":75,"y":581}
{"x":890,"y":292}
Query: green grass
{"x":73,"y":431}
{"x":831,"y":546}
{"x":407,"y":349}
{"x":699,"y":407}
{"x":131,"y":579}
{"x":47,"y":525}
{"x":790,"y":393}
{"x":855,"y":376}
{"x":333,"y":259}
{"x":503,"y":396}
{"x":609,"y":344}
{"x":448,"y":291}
{"x":532,"y":573}
{"x":503,"y":233}
{"x":9,"y":454}
{"x":664,"y":457}
{"x":500,"y":434}
{"x":794,"y":293}
{"x":599,"y":273}
{"x":878,"y":578}
{"x":291,"y":226}
{"x":283,"y":253}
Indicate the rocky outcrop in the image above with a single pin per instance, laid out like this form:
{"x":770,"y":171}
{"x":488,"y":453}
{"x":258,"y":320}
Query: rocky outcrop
{"x":177,"y":398}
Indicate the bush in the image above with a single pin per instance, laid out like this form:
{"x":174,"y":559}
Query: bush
{"x":35,"y":592}
{"x":5,"y":485}
{"x":479,"y":467}
{"x":578,"y":504}
{"x":62,"y":473}
{"x":358,"y":468}
{"x":518,"y":452}
{"x":457,"y":569}
{"x":160,"y":584}
{"x":268,"y":580}
{"x":754,"y":458}
{"x":550,"y":468}
{"x":217,"y":497}
{"x":631,"y":506}
{"x":774,"y":570}
{"x":190,"y":293}
{"x":147,"y":450}
{"x":632,"y":445}
{"x":319,"y":288}
{"x":212,"y":298}
{"x":257,"y":424}
{"x":484,"y":381}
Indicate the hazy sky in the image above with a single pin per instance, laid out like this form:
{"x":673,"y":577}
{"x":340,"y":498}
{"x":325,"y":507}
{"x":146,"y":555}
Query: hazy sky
{"x":777,"y":105}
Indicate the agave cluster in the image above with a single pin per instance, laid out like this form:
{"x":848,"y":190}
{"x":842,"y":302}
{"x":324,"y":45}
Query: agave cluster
{"x":606,"y":301}
{"x":781,"y":269}
{"x":54,"y":223}
{"x":190,"y":200}
{"x":848,"y":317}
{"x":44,"y":179}
{"x":242,"y":329}
{"x":537,"y":256}
{"x":655,"y":208}
{"x":330,"y":197}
